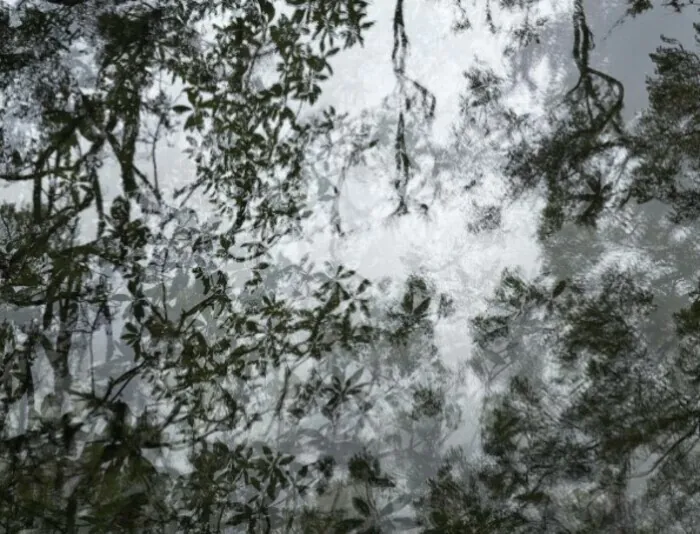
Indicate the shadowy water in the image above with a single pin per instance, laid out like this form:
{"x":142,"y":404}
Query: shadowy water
{"x":168,"y":366}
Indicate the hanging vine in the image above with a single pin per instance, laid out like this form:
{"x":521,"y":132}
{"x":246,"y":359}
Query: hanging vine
{"x":407,"y":89}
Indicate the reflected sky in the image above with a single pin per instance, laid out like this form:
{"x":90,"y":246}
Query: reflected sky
{"x":438,"y":243}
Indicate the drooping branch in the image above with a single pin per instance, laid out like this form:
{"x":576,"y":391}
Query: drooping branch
{"x":398,"y":57}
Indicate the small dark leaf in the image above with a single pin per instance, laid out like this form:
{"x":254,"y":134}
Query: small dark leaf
{"x":16,"y":159}
{"x":272,"y":488}
{"x":193,"y":121}
{"x":361,"y":506}
{"x":354,"y":378}
{"x":422,"y":308}
{"x":363,"y":286}
{"x":139,"y":312}
{"x":333,"y":302}
{"x":559,"y":289}
{"x":407,"y":304}
{"x":267,"y":8}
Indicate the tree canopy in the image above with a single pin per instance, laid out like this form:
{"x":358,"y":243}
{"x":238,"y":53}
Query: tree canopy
{"x":169,"y":364}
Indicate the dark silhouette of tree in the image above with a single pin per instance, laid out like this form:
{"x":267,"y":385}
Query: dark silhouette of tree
{"x":592,"y":419}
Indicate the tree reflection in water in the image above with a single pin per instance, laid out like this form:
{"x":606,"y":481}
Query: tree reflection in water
{"x":167,"y":368}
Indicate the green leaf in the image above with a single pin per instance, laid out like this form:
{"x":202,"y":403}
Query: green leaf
{"x":407,"y":304}
{"x":355,"y":376}
{"x":139,"y":311}
{"x":361,"y":506}
{"x":267,"y":8}
{"x":333,"y":302}
{"x":179,"y":109}
{"x":298,"y":15}
{"x":193,"y":121}
{"x":16,"y":159}
{"x":271,"y":488}
{"x":559,"y":289}
{"x":277,"y":90}
{"x":422,"y":308}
